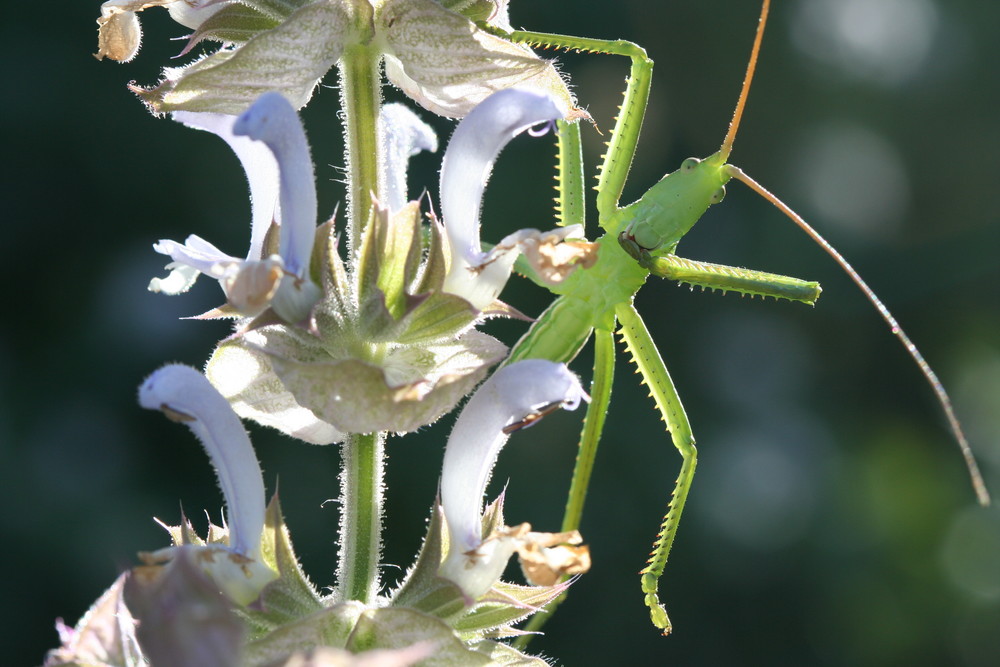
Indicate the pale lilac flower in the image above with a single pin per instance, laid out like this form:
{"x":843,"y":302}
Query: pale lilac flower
{"x":186,"y":396}
{"x":270,"y":142}
{"x":514,"y":397}
{"x":404,"y":135}
{"x":475,"y":275}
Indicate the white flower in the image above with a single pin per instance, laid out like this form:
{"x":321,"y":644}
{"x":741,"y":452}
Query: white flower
{"x":186,"y":396}
{"x":514,"y":397}
{"x":475,"y":275}
{"x":404,"y":135}
{"x":270,"y":142}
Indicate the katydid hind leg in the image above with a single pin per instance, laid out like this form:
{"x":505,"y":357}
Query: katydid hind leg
{"x":655,"y":375}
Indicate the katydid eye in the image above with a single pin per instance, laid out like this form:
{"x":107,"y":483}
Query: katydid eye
{"x":689,"y":164}
{"x":718,"y":195}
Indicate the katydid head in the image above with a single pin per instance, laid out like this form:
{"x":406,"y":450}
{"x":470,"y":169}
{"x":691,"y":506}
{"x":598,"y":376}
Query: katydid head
{"x":671,"y":207}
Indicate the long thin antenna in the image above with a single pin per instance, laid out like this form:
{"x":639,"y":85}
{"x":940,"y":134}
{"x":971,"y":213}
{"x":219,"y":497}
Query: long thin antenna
{"x":734,"y":124}
{"x":942,"y":396}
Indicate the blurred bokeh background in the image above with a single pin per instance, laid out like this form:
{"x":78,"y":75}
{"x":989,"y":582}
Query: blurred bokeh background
{"x":831,"y":521}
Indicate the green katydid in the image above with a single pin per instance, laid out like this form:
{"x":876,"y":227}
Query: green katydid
{"x":640,"y":239}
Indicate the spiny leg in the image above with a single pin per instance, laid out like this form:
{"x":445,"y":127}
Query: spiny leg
{"x":570,"y":200}
{"x":625,"y":135}
{"x":722,"y":276}
{"x":661,"y":388}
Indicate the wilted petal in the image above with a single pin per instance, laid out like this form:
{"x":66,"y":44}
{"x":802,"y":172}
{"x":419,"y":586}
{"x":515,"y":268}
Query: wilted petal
{"x":468,"y":162}
{"x":258,"y":163}
{"x":515,"y":396}
{"x":119,"y":33}
{"x":404,"y":135}
{"x":118,"y":36}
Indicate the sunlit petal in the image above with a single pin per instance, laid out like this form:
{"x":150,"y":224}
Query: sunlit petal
{"x":404,"y":135}
{"x":515,"y":396}
{"x":273,"y":121}
{"x":466,"y":169}
{"x":186,"y":396}
{"x":258,"y":163}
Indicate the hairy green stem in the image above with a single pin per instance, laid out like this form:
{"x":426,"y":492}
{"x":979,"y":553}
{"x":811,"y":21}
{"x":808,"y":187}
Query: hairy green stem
{"x":361,"y":99}
{"x":361,"y":498}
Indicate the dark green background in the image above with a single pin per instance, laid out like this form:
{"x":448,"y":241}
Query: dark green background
{"x":831,"y":521}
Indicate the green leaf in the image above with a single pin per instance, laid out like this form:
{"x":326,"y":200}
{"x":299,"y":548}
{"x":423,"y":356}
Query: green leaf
{"x":506,"y":604}
{"x":474,"y":10}
{"x":277,"y":9}
{"x":423,"y":589}
{"x":502,"y":654}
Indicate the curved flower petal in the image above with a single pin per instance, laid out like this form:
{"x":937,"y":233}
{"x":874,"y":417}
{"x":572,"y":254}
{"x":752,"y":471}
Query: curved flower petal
{"x":258,"y":163}
{"x":515,"y":396}
{"x":272,"y":120}
{"x":186,"y":396}
{"x":468,"y":161}
{"x":404,"y":135}
{"x":270,"y":142}
{"x":196,"y":256}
